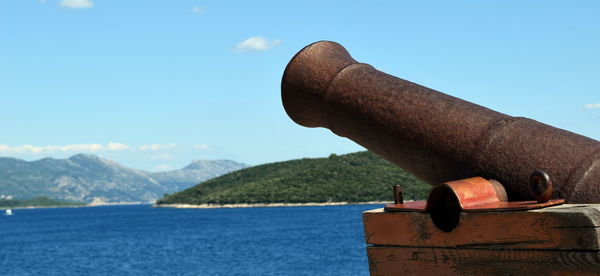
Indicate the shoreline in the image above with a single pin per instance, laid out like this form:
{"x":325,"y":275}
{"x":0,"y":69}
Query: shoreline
{"x":74,"y":206}
{"x":254,"y":205}
{"x":206,"y":206}
{"x":40,"y":207}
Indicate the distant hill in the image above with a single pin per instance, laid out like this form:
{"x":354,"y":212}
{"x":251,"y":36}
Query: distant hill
{"x":195,"y":173}
{"x":41,"y":201}
{"x":355,"y":177}
{"x":87,"y":178}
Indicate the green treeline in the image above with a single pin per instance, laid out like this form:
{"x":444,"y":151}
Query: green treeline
{"x":42,"y":201}
{"x":355,"y":177}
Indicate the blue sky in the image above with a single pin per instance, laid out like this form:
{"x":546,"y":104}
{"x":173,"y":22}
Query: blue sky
{"x":156,"y":84}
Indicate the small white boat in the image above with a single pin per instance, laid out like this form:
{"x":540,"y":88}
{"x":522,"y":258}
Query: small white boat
{"x":8,"y":212}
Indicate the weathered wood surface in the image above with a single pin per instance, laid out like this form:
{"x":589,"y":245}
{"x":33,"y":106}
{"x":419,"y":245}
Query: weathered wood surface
{"x":451,"y":261}
{"x":564,"y":227}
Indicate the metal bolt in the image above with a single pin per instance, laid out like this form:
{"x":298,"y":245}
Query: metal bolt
{"x":398,"y":198}
{"x":540,"y":186}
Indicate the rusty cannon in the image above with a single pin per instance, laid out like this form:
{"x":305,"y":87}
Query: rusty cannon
{"x":436,"y":137}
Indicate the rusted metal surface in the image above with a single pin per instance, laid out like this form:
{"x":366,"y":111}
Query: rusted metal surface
{"x":471,"y":195}
{"x":470,"y":192}
{"x":475,"y":194}
{"x":421,"y":206}
{"x":437,"y":137}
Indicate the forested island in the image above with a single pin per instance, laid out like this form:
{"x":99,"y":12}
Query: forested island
{"x":353,"y":178}
{"x":41,"y":201}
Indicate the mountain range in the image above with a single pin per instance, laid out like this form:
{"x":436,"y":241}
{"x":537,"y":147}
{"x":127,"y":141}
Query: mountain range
{"x":92,"y":179}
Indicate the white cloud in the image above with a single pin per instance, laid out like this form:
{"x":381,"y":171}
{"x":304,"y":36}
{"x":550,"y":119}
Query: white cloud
{"x":80,"y":147}
{"x":117,"y":146}
{"x":200,"y":147}
{"x":67,"y":148}
{"x":157,"y":147}
{"x":590,"y":106}
{"x":256,"y":43}
{"x":197,"y":10}
{"x":23,"y":148}
{"x":77,"y":4}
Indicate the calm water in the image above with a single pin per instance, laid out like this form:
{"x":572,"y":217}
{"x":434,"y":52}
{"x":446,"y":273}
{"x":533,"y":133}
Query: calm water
{"x":141,"y":240}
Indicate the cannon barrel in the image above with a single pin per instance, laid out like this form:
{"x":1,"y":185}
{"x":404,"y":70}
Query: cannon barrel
{"x":434,"y":136}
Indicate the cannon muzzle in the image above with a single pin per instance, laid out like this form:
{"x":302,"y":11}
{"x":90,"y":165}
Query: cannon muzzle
{"x":436,"y":137}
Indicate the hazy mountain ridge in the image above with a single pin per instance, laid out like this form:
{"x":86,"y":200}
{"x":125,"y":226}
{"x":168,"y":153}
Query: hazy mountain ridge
{"x":198,"y":169}
{"x":87,"y":178}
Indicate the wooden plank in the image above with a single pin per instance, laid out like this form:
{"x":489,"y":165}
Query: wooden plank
{"x":452,"y":261}
{"x":564,"y":227}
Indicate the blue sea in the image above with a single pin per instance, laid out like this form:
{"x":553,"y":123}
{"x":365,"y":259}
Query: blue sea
{"x":142,"y":240}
